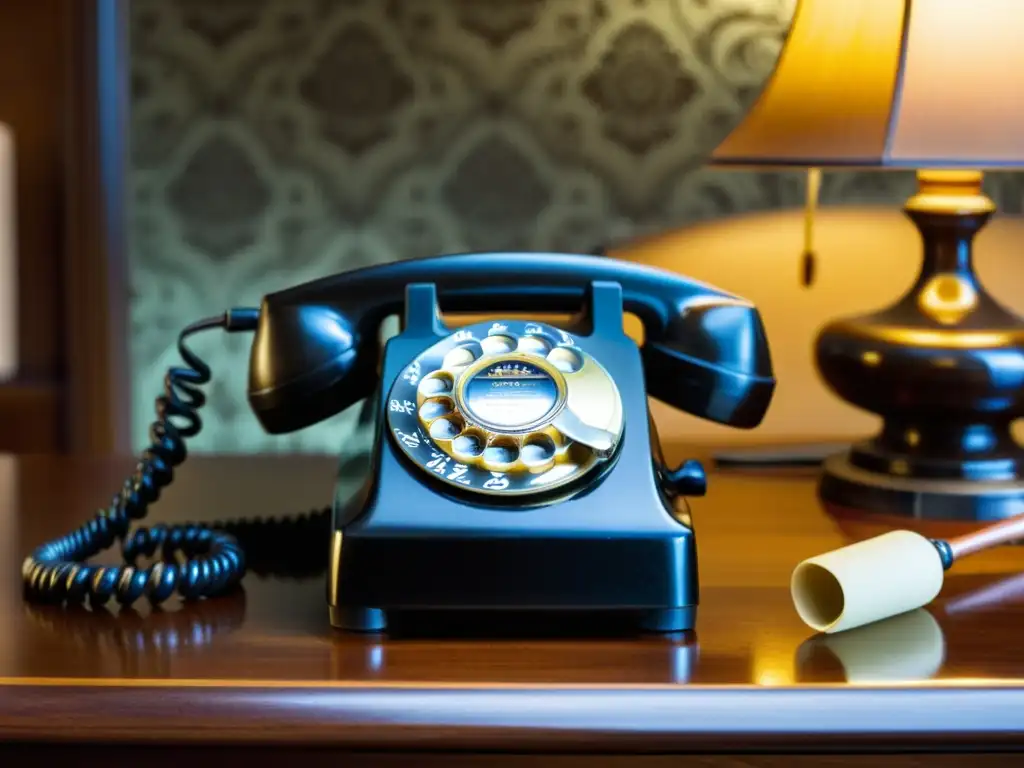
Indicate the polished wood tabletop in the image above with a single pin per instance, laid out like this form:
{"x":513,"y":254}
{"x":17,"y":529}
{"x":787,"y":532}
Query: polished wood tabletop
{"x":264,"y":665}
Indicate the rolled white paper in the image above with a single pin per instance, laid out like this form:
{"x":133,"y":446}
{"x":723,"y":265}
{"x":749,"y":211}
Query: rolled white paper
{"x":867,"y":581}
{"x":8,"y":266}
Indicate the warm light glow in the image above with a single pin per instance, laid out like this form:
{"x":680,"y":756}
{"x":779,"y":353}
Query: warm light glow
{"x":892,"y":83}
{"x":773,"y":658}
{"x":772,"y":678}
{"x":830,"y":95}
{"x":950,"y":192}
{"x":943,"y":682}
{"x":757,"y":256}
{"x":947,"y":298}
{"x":973,"y":49}
{"x":955,"y":339}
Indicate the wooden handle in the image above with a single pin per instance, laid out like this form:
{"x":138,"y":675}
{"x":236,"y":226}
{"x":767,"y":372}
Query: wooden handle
{"x":990,"y":536}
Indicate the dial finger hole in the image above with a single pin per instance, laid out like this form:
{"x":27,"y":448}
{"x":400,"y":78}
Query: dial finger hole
{"x":436,"y":384}
{"x":458,"y":357}
{"x":435,"y":408}
{"x":534,"y":345}
{"x":446,"y":428}
{"x":565,"y":359}
{"x":538,"y":449}
{"x":469,"y":444}
{"x":497,"y":345}
{"x":501,"y":453}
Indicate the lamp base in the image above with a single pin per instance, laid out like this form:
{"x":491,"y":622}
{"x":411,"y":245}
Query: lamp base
{"x":846,"y":485}
{"x":944,"y":368}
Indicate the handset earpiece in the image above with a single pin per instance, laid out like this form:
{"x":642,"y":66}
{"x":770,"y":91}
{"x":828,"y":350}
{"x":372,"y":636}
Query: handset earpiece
{"x":711,"y":359}
{"x":306,"y":365}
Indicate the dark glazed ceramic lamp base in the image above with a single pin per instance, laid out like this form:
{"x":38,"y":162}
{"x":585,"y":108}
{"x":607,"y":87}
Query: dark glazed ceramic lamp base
{"x":943,"y":367}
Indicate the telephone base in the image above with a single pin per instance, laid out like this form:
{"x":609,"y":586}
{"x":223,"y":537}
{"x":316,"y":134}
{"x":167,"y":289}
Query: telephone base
{"x":643,"y":582}
{"x":655,"y":620}
{"x":669,"y":619}
{"x":353,"y":619}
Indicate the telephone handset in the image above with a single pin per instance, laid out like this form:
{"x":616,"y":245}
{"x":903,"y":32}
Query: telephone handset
{"x":705,"y":351}
{"x":515,"y":465}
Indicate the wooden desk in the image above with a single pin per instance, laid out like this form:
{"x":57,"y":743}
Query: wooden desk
{"x":261,"y":671}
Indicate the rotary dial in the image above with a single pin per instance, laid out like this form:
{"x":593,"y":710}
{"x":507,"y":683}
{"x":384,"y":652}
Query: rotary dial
{"x":507,"y":408}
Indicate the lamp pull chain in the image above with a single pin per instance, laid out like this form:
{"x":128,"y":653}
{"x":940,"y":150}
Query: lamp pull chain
{"x":807,"y":264}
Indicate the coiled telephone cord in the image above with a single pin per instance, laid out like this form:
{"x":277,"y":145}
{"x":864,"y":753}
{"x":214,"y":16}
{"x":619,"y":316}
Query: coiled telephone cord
{"x":197,"y":560}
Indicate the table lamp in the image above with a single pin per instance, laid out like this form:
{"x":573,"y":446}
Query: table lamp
{"x":936,"y":86}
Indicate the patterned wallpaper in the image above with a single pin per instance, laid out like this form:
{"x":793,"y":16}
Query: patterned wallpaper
{"x":276,"y":141}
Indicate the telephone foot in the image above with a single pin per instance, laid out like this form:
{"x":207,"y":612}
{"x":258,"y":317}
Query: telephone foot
{"x":669,"y":619}
{"x":355,"y":619}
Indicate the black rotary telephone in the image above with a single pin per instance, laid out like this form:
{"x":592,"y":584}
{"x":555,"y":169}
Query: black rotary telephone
{"x":515,"y":465}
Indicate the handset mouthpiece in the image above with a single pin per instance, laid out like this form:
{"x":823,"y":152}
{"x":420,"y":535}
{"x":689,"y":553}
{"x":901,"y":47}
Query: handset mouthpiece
{"x":867,"y":581}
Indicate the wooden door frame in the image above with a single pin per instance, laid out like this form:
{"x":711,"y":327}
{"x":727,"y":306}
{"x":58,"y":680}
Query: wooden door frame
{"x":98,"y":395}
{"x":69,"y":113}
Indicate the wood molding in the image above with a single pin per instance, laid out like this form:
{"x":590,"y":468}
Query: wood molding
{"x":32,"y":83}
{"x":96,"y":274}
{"x":30,"y":417}
{"x":63,"y":92}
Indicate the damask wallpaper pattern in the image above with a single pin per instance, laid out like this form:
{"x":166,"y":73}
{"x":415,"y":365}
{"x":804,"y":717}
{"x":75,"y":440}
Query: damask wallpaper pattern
{"x":276,"y":141}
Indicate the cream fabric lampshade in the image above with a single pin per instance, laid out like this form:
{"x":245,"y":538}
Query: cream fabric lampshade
{"x":892,"y":83}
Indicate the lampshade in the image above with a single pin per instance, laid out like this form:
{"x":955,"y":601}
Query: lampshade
{"x":892,"y":83}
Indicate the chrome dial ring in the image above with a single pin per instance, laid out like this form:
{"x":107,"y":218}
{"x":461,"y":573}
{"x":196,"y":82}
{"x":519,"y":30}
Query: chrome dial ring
{"x":506,"y":408}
